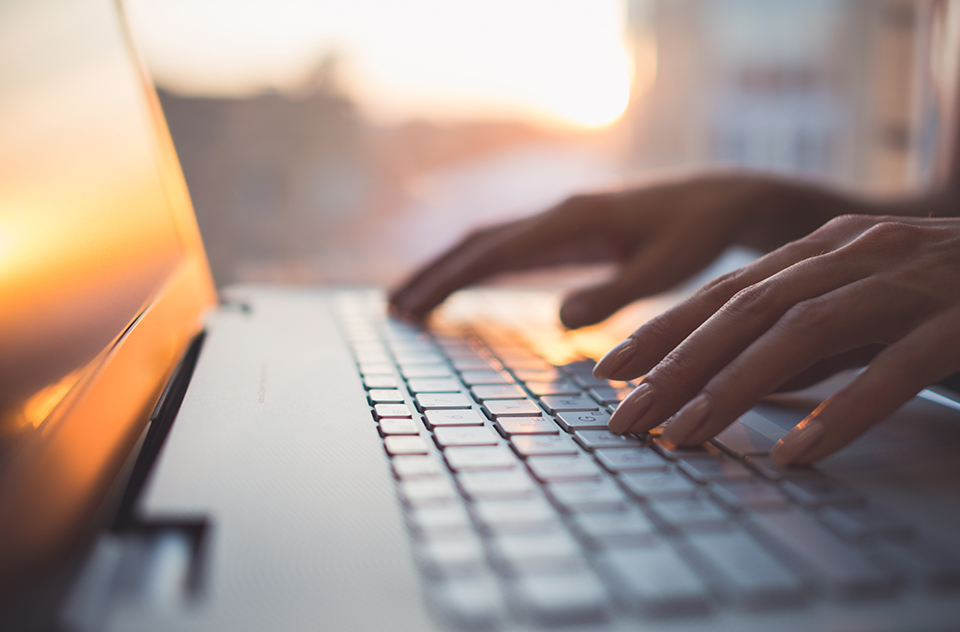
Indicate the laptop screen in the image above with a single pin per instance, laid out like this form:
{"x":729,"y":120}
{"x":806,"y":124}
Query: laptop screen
{"x":96,"y":232}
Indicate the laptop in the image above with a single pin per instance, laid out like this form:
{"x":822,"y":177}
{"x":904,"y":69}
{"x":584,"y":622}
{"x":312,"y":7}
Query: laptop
{"x":292,"y":459}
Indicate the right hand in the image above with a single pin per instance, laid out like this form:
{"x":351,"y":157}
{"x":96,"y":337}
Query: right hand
{"x":659,"y":235}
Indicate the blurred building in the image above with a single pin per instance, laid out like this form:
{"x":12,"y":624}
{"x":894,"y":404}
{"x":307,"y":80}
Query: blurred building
{"x":826,"y":89}
{"x":300,"y":187}
{"x":271,"y":176}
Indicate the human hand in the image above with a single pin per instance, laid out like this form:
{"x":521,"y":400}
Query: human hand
{"x":881,"y":291}
{"x":659,"y":235}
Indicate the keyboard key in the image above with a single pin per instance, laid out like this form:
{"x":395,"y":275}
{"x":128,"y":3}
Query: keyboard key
{"x":453,"y":418}
{"x":860,"y":523}
{"x":465,"y":435}
{"x":494,"y":484}
{"x":512,"y":408}
{"x":696,"y":513}
{"x":563,"y":468}
{"x":772,"y":471}
{"x":707,"y":469}
{"x":498,"y":391}
{"x":392,"y":410}
{"x":615,"y":528}
{"x":407,"y":467}
{"x":564,"y":403}
{"x":751,"y":435}
{"x":398,"y":444}
{"x":526,"y":425}
{"x":739,"y":495}
{"x":743,"y":571}
{"x":434,"y":385}
{"x":516,"y":515}
{"x":368,"y":369}
{"x":399,"y":426}
{"x":595,"y":420}
{"x":540,"y":375}
{"x":405,"y":346}
{"x":411,"y":358}
{"x":647,"y":485}
{"x":424,"y":492}
{"x":523,"y":551}
{"x":581,"y":496}
{"x":381,"y":381}
{"x":813,"y":493}
{"x":471,"y":363}
{"x":469,"y":603}
{"x":441,"y":522}
{"x":473,"y":378}
{"x":830,"y":562}
{"x":535,"y":445}
{"x":674,"y":453}
{"x":452,"y":557}
{"x":561,"y":599}
{"x":480,"y":458}
{"x":593,"y":439}
{"x":432,"y":401}
{"x":418,"y":371}
{"x":922,"y":561}
{"x":609,"y":395}
{"x":587,"y":380}
{"x":555,"y":387}
{"x":654,"y":580}
{"x":630,"y":460}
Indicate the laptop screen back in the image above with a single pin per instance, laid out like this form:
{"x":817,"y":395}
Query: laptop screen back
{"x":97,"y":241}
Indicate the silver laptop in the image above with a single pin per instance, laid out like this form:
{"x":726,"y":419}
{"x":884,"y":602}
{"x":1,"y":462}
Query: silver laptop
{"x":291,"y":459}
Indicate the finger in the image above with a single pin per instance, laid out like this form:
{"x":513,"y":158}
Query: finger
{"x":830,"y":366}
{"x":571,"y":231}
{"x":840,"y":321}
{"x":472,"y":259}
{"x":643,"y":276}
{"x":649,"y":344}
{"x":897,"y":374}
{"x":731,"y":329}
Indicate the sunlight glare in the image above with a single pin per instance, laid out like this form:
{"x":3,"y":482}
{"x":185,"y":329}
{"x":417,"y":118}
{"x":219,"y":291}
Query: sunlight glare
{"x":548,"y":61}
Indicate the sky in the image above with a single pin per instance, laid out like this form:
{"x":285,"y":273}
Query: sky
{"x":563,"y":62}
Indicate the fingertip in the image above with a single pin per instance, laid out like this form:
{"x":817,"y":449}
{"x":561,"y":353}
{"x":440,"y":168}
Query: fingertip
{"x":579,"y":311}
{"x":615,"y":359}
{"x":800,"y":444}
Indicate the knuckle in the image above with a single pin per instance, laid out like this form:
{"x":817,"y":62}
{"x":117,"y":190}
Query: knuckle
{"x":753,"y":298}
{"x":578,"y":207}
{"x":847,"y":223}
{"x":888,"y":235}
{"x":721,"y":289}
{"x":656,"y":333}
{"x":676,"y":368}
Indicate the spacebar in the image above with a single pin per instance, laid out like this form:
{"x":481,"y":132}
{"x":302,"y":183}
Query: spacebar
{"x":829,"y":562}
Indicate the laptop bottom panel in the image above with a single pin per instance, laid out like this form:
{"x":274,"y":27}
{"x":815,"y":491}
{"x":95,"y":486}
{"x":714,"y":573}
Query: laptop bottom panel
{"x":331,"y":470}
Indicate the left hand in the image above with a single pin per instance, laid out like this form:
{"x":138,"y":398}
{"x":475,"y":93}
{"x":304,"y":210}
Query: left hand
{"x":880,"y":291}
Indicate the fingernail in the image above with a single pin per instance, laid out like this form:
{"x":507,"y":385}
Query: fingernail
{"x":614,"y":359}
{"x":798,"y":442}
{"x":686,"y":422}
{"x":631,"y":409}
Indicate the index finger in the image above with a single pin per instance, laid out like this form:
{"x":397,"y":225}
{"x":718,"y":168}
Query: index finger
{"x":562,"y":234}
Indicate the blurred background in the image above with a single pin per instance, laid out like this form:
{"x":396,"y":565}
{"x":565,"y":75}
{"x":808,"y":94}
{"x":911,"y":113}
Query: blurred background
{"x":350,"y":141}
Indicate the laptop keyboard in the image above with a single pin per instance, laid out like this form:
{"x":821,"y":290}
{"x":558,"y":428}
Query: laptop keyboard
{"x":522,"y":505}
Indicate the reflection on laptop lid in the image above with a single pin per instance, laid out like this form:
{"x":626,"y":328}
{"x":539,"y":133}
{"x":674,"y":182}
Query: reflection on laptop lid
{"x":103,"y":274}
{"x":312,"y":464}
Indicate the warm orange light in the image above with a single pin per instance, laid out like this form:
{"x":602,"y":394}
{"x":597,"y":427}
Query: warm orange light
{"x":557,"y":62}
